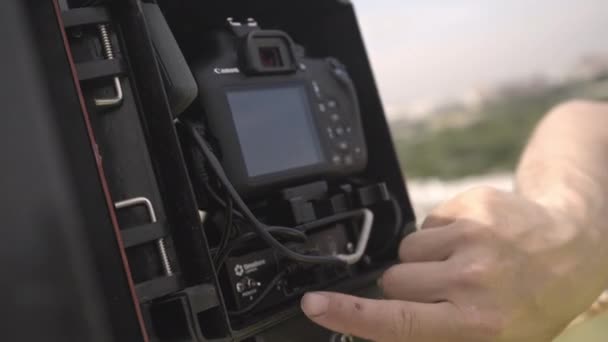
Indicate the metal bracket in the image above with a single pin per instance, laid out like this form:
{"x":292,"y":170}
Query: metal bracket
{"x":364,"y":235}
{"x":160,"y":243}
{"x":108,"y":51}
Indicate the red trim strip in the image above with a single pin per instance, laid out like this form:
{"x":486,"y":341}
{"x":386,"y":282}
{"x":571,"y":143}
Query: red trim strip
{"x":102,"y":176}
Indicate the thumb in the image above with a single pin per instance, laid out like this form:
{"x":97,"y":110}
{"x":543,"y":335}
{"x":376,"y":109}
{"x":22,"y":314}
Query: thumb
{"x":381,"y":320}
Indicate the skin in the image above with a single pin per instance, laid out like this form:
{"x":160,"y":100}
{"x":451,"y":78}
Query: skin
{"x":497,"y":266}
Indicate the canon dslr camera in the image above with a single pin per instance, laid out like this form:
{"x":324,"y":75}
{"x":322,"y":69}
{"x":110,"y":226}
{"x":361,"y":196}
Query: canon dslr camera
{"x":278,"y":116}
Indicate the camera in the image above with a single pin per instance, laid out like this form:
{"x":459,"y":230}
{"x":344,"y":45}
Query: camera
{"x":279,"y":117}
{"x":281,"y":135}
{"x":230,"y":167}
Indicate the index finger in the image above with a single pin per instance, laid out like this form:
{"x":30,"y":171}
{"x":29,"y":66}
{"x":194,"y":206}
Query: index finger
{"x":382,"y":320}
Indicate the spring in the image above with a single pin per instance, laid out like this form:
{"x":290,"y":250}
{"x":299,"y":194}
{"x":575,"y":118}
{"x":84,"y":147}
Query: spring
{"x":162,"y":247}
{"x":106,"y":41}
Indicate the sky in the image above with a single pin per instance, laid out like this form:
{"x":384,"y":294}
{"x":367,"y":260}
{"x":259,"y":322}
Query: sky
{"x":429,"y":51}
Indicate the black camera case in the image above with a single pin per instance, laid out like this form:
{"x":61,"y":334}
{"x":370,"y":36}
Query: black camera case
{"x":119,"y":214}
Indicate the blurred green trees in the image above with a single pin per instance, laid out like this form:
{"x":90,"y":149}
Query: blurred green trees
{"x":494,"y":138}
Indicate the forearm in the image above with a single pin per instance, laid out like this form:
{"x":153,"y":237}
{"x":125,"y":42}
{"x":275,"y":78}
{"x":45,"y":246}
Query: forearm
{"x":565,"y":166}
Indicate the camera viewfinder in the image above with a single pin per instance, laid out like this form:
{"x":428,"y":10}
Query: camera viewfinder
{"x":271,"y":57}
{"x":267,"y":52}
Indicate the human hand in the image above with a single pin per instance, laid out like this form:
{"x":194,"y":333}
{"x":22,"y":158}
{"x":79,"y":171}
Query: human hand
{"x":487,"y":266}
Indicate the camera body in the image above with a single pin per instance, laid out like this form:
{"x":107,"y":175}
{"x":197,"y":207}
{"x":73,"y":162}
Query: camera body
{"x":278,"y":117}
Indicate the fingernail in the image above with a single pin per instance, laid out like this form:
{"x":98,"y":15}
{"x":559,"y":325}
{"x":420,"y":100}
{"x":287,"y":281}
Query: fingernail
{"x":315,"y":304}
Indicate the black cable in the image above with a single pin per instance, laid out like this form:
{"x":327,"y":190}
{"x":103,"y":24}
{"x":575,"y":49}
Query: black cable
{"x":328,"y":220}
{"x":214,"y":195}
{"x":271,"y":285}
{"x":398,"y":215}
{"x":281,"y":232}
{"x":220,"y":201}
{"x":259,"y":227}
{"x":396,"y":207}
{"x":296,"y":234}
{"x":396,"y":234}
{"x":227,"y":231}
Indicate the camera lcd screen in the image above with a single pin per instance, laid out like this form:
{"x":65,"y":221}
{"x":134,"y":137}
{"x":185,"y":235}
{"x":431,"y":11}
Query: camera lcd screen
{"x":275,"y":129}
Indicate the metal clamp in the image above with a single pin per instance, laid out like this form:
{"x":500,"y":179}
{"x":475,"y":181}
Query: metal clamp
{"x":160,"y":243}
{"x":364,"y":235}
{"x":108,"y":51}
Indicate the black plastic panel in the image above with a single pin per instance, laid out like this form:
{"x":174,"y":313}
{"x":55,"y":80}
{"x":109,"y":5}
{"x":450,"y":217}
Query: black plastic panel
{"x":65,"y":279}
{"x":143,"y":234}
{"x":85,"y":16}
{"x":100,"y":69}
{"x":161,"y":138}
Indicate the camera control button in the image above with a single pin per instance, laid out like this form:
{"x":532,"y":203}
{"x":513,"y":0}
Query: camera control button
{"x":316,"y":88}
{"x":337,"y":159}
{"x":349,"y":130}
{"x":358,"y":150}
{"x":322,"y":107}
{"x":348,"y":160}
{"x":343,"y":146}
{"x":335,"y":117}
{"x":340,"y":131}
{"x":332,"y":104}
{"x":330,"y":133}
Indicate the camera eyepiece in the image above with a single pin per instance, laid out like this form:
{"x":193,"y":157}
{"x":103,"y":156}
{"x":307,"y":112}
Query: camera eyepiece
{"x":267,"y":52}
{"x":263,"y":52}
